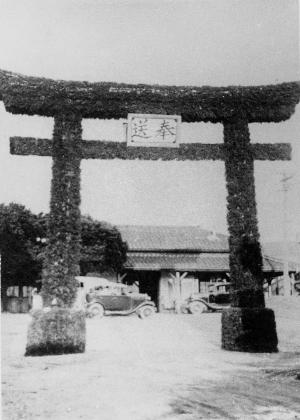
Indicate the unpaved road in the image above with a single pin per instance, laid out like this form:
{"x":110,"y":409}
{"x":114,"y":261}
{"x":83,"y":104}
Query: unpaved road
{"x":169,"y":367}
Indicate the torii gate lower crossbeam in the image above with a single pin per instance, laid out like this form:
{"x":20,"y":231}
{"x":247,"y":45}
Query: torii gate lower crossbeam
{"x":91,"y":149}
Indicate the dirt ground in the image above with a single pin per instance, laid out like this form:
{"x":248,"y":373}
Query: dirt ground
{"x":168,"y":367}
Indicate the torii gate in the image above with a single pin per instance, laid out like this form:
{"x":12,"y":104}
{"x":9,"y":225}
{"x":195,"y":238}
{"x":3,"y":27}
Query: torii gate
{"x":247,"y":326}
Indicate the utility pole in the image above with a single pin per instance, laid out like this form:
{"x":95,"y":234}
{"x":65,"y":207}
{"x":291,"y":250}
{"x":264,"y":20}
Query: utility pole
{"x":286,"y":277}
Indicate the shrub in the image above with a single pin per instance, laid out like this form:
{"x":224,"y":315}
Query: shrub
{"x":249,"y":329}
{"x":58,"y":331}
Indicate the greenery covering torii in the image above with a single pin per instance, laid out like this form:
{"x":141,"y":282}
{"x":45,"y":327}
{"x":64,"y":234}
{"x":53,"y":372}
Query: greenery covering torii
{"x":247,"y":326}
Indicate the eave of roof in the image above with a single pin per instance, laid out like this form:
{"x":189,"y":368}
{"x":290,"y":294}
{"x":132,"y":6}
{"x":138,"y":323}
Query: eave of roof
{"x":195,"y":262}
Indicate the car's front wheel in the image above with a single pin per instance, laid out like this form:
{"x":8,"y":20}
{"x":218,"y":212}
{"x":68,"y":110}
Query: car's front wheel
{"x":196,"y":307}
{"x":146,"y":311}
{"x":212,"y":299}
{"x":96,"y":309}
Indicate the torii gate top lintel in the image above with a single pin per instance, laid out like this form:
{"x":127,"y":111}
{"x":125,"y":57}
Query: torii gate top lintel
{"x":47,"y":97}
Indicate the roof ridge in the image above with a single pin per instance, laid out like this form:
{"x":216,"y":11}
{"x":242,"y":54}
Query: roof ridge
{"x":175,"y":227}
{"x":144,"y":225}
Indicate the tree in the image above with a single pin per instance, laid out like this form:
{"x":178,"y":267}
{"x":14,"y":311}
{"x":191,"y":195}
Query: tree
{"x":19,"y":246}
{"x":23,"y":240}
{"x":102,"y":248}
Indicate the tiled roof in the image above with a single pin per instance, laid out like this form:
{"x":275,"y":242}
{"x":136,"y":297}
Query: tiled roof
{"x":173,"y":238}
{"x":190,"y":262}
{"x":192,"y":248}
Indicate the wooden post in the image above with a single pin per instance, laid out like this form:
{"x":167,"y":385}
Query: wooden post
{"x":159,"y":303}
{"x":120,"y":277}
{"x":177,"y":281}
{"x":177,"y":289}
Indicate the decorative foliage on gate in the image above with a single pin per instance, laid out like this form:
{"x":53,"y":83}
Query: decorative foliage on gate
{"x":106,"y":150}
{"x":34,"y":95}
{"x":63,"y":250}
{"x":245,"y":254}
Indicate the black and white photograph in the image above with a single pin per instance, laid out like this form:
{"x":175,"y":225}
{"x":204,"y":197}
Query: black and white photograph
{"x":150,"y":209}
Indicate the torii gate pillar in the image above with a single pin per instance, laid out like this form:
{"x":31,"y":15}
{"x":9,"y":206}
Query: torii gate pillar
{"x":247,"y":325}
{"x":64,"y":227}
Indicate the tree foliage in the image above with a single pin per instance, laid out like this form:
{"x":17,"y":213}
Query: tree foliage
{"x":102,"y":248}
{"x":20,"y":245}
{"x":23,"y":239}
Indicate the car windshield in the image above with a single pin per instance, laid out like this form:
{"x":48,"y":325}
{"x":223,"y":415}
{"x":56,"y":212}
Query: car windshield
{"x":219,"y":287}
{"x":111,"y":289}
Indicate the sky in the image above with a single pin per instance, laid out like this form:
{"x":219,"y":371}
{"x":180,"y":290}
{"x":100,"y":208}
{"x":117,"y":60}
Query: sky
{"x":188,"y":42}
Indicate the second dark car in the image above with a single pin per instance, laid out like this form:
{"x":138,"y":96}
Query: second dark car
{"x":217,"y":297}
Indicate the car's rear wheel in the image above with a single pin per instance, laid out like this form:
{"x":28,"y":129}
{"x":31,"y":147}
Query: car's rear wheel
{"x":96,"y":309}
{"x":146,"y":311}
{"x":196,"y":307}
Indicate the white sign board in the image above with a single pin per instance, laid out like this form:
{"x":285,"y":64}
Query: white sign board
{"x":153,"y":130}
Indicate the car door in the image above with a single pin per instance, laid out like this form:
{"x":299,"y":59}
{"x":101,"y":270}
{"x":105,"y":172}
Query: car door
{"x":117,"y":302}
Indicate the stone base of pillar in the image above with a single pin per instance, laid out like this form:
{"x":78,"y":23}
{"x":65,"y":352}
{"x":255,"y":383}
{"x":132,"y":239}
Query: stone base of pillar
{"x":249,"y":330}
{"x":57,"y":331}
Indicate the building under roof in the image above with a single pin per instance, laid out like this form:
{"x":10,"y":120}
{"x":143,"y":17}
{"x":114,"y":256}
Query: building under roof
{"x":192,"y":248}
{"x":158,"y":256}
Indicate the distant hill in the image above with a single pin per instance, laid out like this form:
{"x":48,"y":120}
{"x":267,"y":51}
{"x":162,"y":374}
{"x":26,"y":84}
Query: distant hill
{"x":276,"y":250}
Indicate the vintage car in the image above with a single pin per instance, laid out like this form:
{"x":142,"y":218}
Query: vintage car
{"x":213,"y":301}
{"x":116,"y":299}
{"x":219,"y":293}
{"x":297,"y":286}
